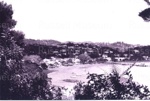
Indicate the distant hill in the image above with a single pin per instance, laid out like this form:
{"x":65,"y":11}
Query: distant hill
{"x":49,"y":48}
{"x":120,"y":46}
{"x":41,"y":42}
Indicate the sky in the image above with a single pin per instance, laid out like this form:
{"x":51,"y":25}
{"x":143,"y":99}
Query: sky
{"x":82,"y":20}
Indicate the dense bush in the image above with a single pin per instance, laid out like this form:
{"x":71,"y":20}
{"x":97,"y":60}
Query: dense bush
{"x":110,"y":87}
{"x":84,"y":58}
{"x":33,"y":59}
{"x":33,"y":85}
{"x":18,"y":80}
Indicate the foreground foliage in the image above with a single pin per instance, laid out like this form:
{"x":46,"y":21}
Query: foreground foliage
{"x":19,"y":80}
{"x":110,"y":86}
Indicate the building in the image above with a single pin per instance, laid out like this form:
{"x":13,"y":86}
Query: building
{"x":119,"y":58}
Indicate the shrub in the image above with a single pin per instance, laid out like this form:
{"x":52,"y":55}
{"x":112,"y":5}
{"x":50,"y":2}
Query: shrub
{"x":44,"y":66}
{"x":84,"y":58}
{"x":110,"y":87}
{"x":32,"y":58}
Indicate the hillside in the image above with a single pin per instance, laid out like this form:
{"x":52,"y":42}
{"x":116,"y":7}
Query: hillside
{"x":41,"y":42}
{"x":121,"y":46}
{"x":53,"y":48}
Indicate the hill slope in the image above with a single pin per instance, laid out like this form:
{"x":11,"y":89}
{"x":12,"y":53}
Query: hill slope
{"x":41,"y":42}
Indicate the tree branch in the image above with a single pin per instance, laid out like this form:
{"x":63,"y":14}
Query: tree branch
{"x":147,"y":1}
{"x":127,"y":69}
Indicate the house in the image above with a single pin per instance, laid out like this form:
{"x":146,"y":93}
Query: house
{"x":58,"y":54}
{"x":106,"y":52}
{"x":146,"y":57}
{"x":119,"y":58}
{"x":64,"y":45}
{"x":70,"y":47}
{"x":47,"y":61}
{"x":111,"y":52}
{"x":63,"y":50}
{"x":76,"y":61}
{"x":125,"y":55}
{"x":136,"y":51}
{"x":53,"y":58}
{"x":55,"y":52}
{"x":131,"y":55}
{"x":108,"y":59}
{"x":76,"y":45}
{"x":50,"y":63}
{"x":77,"y":50}
{"x":90,"y":50}
{"x":104,"y":56}
{"x":117,"y":55}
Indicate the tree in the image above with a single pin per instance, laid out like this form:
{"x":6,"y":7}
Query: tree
{"x":9,"y":51}
{"x":18,"y":37}
{"x":147,"y":1}
{"x":84,"y":58}
{"x":19,"y":80}
{"x":145,"y":14}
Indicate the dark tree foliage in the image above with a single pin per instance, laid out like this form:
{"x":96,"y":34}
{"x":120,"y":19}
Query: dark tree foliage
{"x":147,"y":1}
{"x":10,"y":53}
{"x":145,"y":14}
{"x":110,"y":87}
{"x":19,"y":80}
{"x":18,"y":37}
{"x":70,"y":44}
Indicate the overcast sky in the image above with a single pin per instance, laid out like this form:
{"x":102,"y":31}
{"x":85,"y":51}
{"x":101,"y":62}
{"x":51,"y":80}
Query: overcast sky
{"x":82,"y":20}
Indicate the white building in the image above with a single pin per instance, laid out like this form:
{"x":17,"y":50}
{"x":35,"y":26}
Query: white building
{"x":146,"y":57}
{"x":104,"y":56}
{"x":108,"y":59}
{"x":120,"y":58}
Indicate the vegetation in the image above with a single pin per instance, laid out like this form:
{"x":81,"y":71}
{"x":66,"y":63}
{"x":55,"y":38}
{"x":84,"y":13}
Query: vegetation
{"x":110,"y":87}
{"x":41,"y":42}
{"x":94,"y":50}
{"x":145,"y":14}
{"x":26,"y":80}
{"x":84,"y":58}
{"x":19,"y":80}
{"x":32,"y":58}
